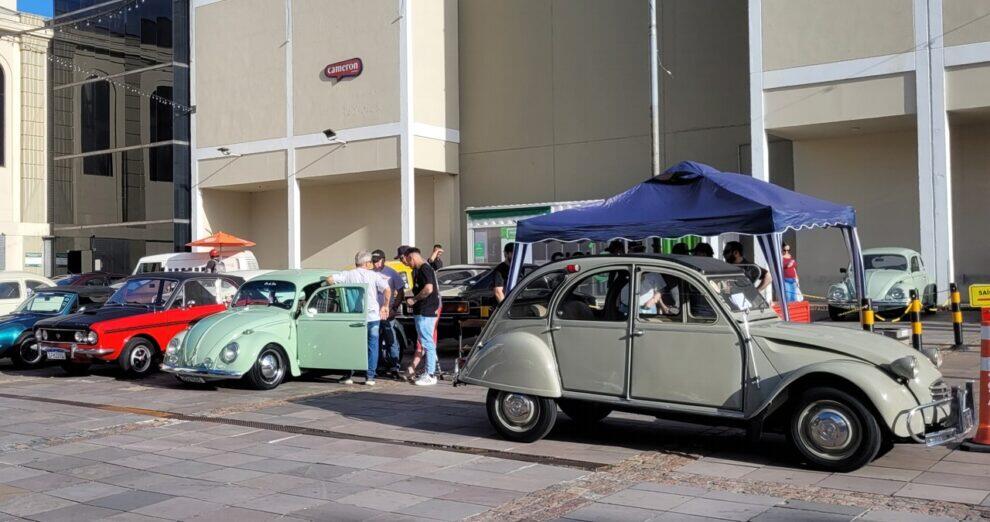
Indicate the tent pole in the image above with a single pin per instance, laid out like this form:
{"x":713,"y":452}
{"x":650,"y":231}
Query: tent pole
{"x":515,"y":267}
{"x":770,"y":243}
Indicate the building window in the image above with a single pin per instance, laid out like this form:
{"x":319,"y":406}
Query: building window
{"x":95,"y":128}
{"x":3,"y":118}
{"x":160,"y":158}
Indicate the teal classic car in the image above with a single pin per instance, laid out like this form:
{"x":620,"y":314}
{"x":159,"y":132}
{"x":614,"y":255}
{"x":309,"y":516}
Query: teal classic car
{"x":279,"y":323}
{"x":891,"y":274}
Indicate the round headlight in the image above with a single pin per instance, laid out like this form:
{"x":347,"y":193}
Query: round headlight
{"x":837,"y":294}
{"x":229,"y":353}
{"x":43,"y":334}
{"x":906,"y":367}
{"x":80,"y":337}
{"x":896,"y":294}
{"x":176,"y":341}
{"x":91,"y":338}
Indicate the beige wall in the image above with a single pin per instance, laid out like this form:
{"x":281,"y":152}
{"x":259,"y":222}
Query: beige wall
{"x":435,"y":74}
{"x":327,"y":32}
{"x":259,"y":216}
{"x":236,"y":171}
{"x":850,"y":100}
{"x":971,"y":214}
{"x":965,"y":21}
{"x":966,"y":87}
{"x":240,"y":71}
{"x":357,"y":156}
{"x":876,"y":174}
{"x":808,"y":32}
{"x":544,"y":83}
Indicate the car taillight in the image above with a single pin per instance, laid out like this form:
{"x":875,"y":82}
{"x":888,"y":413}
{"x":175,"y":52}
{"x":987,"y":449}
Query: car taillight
{"x":457,"y":307}
{"x":572,"y":268}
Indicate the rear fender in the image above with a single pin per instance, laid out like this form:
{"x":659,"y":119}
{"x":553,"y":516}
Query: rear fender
{"x":515,"y":362}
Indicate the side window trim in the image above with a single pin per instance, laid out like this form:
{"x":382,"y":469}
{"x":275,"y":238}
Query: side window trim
{"x":700,"y":286}
{"x":579,"y":278}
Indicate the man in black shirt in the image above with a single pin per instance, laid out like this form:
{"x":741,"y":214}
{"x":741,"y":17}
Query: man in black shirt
{"x":502,"y":272}
{"x":733,"y":254}
{"x":425,"y":302}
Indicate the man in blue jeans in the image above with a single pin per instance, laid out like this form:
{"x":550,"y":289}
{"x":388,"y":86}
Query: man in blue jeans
{"x":389,"y":339}
{"x":425,"y":302}
{"x":376,"y":301}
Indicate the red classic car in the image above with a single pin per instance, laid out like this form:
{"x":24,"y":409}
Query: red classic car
{"x":137,"y":321}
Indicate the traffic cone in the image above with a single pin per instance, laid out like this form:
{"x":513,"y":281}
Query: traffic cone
{"x":981,"y":441}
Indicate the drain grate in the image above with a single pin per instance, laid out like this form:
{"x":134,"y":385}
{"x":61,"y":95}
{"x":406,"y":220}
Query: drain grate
{"x":316,"y":432}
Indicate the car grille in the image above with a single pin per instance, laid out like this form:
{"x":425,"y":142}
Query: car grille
{"x":940,"y":390}
{"x":61,"y":336}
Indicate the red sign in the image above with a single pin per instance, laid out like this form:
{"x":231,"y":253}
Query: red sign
{"x":345,"y":69}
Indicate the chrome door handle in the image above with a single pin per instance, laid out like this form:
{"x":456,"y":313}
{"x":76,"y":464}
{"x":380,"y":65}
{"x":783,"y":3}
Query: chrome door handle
{"x":356,"y":325}
{"x":554,"y":329}
{"x":638,"y":333}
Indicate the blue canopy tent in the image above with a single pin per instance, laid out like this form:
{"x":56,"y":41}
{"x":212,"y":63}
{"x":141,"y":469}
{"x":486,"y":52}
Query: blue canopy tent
{"x":695,"y":199}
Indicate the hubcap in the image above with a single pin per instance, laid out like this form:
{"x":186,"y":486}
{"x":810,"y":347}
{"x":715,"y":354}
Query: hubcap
{"x":140,"y":358}
{"x":518,"y":412}
{"x":829,"y":429}
{"x":30,"y":353}
{"x":270,"y":364}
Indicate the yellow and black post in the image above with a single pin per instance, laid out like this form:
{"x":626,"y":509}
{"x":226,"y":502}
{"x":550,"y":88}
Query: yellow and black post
{"x":914,"y":310}
{"x":867,"y":314}
{"x":956,"y":315}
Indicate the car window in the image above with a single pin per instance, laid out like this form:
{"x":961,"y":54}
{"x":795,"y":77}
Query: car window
{"x":658,"y":297}
{"x":884,"y":262}
{"x":915,"y":264}
{"x":32,"y":285}
{"x":699,"y":308}
{"x":44,"y":303}
{"x":227,"y":291}
{"x":10,"y":290}
{"x":533,"y":300}
{"x":597,"y":297}
{"x":196,"y":292}
{"x":266,"y":293}
{"x":155,"y":292}
{"x":98,"y":281}
{"x":337,"y":300}
{"x":459,"y":276}
{"x":147,"y":268}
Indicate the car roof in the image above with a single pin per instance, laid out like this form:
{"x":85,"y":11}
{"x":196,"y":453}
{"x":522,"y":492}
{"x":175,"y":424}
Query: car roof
{"x":301,"y":277}
{"x":901,"y":251}
{"x":704,"y":264}
{"x":86,"y":291}
{"x":182,"y":276}
{"x":468,"y":266}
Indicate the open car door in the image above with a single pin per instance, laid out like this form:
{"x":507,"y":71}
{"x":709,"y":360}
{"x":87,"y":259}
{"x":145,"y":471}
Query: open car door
{"x":333,"y":330}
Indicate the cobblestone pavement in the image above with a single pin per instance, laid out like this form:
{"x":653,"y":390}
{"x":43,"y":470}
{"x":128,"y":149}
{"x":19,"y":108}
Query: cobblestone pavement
{"x":100,"y":447}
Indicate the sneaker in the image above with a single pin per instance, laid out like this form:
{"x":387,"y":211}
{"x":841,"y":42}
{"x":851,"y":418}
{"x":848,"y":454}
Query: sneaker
{"x":369,"y":383}
{"x":426,"y":380}
{"x":347,"y":381}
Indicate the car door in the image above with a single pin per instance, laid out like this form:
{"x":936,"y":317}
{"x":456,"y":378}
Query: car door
{"x":591,"y":332}
{"x":684,"y":350}
{"x":332,"y":330}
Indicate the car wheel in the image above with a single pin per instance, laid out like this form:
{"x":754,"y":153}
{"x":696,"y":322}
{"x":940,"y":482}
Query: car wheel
{"x":833,"y":430}
{"x":138,"y":358}
{"x":268,"y":370}
{"x":519,"y":417}
{"x":584,"y":412}
{"x":76,"y":369}
{"x":27,"y":355}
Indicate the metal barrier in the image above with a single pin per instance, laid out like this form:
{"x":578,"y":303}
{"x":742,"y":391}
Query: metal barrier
{"x":957,"y":318}
{"x":866,"y":316}
{"x":915,"y":314}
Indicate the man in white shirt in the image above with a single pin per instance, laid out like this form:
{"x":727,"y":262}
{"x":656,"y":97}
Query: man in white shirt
{"x":650,"y":299}
{"x":376,"y":301}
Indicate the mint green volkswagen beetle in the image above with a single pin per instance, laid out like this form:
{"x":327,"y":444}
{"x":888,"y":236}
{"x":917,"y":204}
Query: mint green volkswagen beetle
{"x":279,"y":323}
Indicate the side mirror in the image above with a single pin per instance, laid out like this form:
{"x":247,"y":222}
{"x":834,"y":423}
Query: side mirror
{"x":843,"y":270}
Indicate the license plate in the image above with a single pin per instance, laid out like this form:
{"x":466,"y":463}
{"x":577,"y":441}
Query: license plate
{"x":55,"y":355}
{"x":196,"y":380}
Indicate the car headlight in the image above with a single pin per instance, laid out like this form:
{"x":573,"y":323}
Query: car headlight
{"x":91,"y":337}
{"x":906,"y":367}
{"x":80,"y":337}
{"x":176,"y":341}
{"x":837,"y":293}
{"x":229,"y":353}
{"x":896,"y":294}
{"x":43,"y":334}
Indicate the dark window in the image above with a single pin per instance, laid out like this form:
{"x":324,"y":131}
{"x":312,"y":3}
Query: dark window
{"x":10,"y":290}
{"x":95,"y":128}
{"x":160,"y":158}
{"x":597,"y":297}
{"x":915,"y":264}
{"x":533,"y":300}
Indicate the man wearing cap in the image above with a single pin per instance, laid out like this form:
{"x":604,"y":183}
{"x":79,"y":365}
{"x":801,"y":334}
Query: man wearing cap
{"x":390,"y":341}
{"x":376,"y":301}
{"x":214,"y":265}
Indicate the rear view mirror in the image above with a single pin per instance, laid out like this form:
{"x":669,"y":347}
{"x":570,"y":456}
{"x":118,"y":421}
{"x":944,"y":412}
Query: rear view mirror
{"x":843,"y":270}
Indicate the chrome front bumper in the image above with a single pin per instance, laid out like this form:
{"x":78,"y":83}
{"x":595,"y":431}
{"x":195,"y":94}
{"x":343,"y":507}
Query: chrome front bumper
{"x":200,"y":374}
{"x":945,"y":428}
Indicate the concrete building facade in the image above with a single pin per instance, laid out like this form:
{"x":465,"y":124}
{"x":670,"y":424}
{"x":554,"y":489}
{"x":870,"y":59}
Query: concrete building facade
{"x":884,"y":105}
{"x":501,"y":108}
{"x":23,"y":140}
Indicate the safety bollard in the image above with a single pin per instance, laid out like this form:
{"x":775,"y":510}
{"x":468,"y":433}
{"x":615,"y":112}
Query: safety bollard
{"x":981,"y":441}
{"x":867,"y":314}
{"x":915,"y":316}
{"x":957,"y":319}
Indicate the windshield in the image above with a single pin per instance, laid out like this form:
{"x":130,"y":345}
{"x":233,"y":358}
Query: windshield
{"x":738,"y":293}
{"x":44,"y":303}
{"x":266,"y":293}
{"x":884,"y":262}
{"x":459,"y":276}
{"x":147,"y":292}
{"x":67,"y":280}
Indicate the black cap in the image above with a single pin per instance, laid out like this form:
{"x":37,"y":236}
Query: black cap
{"x":401,"y":251}
{"x":377,"y":255}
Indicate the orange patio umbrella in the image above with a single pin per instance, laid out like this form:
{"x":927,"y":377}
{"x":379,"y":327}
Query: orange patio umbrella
{"x":221,"y":240}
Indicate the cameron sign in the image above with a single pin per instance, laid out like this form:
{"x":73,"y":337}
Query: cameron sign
{"x":345,"y":69}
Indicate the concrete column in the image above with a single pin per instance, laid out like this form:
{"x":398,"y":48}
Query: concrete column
{"x":407,"y":169}
{"x":760,"y":155}
{"x":292,"y":202}
{"x":934,"y":176}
